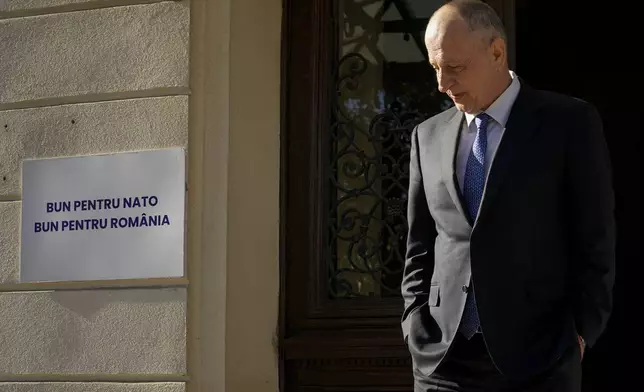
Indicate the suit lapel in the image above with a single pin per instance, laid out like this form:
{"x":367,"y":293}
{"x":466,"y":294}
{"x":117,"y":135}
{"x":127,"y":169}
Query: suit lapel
{"x":449,"y":150}
{"x":521,"y":125}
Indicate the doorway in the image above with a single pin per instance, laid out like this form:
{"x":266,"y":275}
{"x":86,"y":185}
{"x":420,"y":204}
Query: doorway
{"x":356,"y":82}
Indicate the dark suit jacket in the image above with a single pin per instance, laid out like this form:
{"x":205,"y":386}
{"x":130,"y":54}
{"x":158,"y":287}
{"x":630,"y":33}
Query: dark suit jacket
{"x":541,"y":251}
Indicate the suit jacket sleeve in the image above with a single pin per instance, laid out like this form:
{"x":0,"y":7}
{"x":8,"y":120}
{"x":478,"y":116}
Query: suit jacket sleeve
{"x":591,"y":205}
{"x":419,"y":258}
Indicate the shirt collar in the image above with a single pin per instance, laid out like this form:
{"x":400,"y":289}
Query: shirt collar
{"x":500,"y":108}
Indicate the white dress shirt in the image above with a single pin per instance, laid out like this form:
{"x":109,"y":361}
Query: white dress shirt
{"x":499,"y":111}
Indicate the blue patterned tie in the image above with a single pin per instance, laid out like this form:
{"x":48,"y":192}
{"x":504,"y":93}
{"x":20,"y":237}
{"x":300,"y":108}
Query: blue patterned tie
{"x":473,"y":185}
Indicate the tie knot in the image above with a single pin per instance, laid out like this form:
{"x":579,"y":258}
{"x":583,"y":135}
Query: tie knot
{"x":483,"y":119}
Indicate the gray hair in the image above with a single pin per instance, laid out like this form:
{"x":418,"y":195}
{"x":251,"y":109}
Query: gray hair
{"x":479,"y":16}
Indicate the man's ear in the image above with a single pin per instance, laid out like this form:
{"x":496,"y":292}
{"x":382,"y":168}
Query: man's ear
{"x":498,"y":51}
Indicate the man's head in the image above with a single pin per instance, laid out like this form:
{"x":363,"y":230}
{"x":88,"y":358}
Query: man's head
{"x":466,"y":44}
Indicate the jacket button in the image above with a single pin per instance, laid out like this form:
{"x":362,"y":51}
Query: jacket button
{"x":465,"y":289}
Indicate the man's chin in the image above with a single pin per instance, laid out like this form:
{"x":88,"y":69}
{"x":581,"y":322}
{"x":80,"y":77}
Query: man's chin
{"x":460,"y":106}
{"x":463,"y":107}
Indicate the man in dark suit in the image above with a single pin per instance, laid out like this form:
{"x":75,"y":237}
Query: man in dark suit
{"x":510,"y":260}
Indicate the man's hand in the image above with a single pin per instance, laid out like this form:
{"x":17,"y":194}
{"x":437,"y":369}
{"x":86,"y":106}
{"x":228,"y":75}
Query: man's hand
{"x":582,"y":345}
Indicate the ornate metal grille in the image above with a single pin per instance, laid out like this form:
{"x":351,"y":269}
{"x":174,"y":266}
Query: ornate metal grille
{"x":384,"y":87}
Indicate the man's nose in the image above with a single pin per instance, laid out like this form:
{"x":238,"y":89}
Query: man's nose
{"x":444,"y":83}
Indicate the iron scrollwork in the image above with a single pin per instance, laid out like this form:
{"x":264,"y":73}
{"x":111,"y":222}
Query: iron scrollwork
{"x":369,"y":183}
{"x":377,"y":104}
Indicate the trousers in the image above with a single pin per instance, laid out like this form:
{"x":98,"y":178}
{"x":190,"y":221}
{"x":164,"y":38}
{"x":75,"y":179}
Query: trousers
{"x":469,"y":368}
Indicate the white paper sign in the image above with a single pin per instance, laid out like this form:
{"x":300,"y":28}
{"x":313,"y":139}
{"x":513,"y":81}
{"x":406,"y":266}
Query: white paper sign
{"x":104,"y":217}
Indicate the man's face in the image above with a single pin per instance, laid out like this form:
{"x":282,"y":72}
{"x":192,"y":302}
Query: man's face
{"x":464,"y":65}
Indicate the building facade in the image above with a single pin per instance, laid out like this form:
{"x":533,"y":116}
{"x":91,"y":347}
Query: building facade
{"x":83,"y":77}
